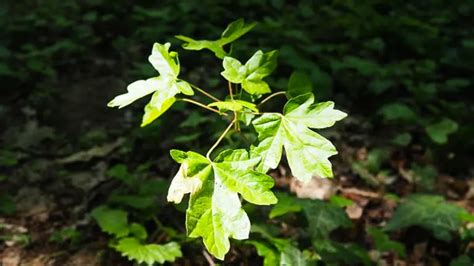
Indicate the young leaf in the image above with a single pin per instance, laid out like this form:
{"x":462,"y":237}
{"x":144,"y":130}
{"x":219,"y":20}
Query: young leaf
{"x":165,"y":86}
{"x":307,"y":151}
{"x":214,"y":211}
{"x":251,"y":74}
{"x":233,"y":31}
{"x":439,"y":132}
{"x":234,"y":105}
{"x":148,"y":253}
{"x":111,"y":221}
{"x":428,"y":211}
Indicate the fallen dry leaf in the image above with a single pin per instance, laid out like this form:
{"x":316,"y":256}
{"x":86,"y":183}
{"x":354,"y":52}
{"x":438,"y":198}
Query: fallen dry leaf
{"x":316,"y":188}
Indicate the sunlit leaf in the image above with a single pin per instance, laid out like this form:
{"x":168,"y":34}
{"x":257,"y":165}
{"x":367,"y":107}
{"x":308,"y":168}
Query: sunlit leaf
{"x":214,"y":211}
{"x":150,"y":254}
{"x":233,"y":31}
{"x":307,"y":152}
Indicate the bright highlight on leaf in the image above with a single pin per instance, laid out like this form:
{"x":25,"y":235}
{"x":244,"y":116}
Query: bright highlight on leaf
{"x":251,"y":74}
{"x":148,"y":253}
{"x":214,"y":211}
{"x":234,"y":31}
{"x":307,"y":151}
{"x":163,"y":87}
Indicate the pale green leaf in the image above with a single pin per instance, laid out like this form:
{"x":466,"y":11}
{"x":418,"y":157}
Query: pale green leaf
{"x":234,"y":105}
{"x":111,"y":221}
{"x":428,"y":211}
{"x":251,"y":74}
{"x":299,"y":84}
{"x":234,"y":71}
{"x":307,"y":152}
{"x":215,"y":211}
{"x":184,"y":87}
{"x":233,"y":31}
{"x":165,"y":62}
{"x":439,"y":132}
{"x":135,"y":91}
{"x":160,"y":102}
{"x":148,"y":253}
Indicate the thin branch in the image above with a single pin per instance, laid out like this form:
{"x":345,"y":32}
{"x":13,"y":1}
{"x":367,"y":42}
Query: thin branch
{"x":208,"y":258}
{"x":220,"y":138}
{"x":271,"y":96}
{"x":202,"y":105}
{"x":205,"y":92}
{"x":230,"y":91}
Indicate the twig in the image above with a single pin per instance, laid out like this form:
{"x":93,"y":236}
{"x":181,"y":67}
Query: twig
{"x":271,"y":96}
{"x":208,"y":258}
{"x":202,"y":105}
{"x":220,"y":139}
{"x":205,"y":92}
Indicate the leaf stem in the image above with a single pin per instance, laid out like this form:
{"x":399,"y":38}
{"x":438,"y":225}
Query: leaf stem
{"x":205,"y":92}
{"x":271,"y":96}
{"x":202,"y":105}
{"x":208,"y":154}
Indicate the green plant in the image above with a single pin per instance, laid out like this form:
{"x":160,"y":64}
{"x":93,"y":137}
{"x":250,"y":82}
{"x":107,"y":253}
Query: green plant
{"x":215,"y":182}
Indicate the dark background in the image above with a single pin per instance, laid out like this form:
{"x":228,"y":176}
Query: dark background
{"x":402,"y":70}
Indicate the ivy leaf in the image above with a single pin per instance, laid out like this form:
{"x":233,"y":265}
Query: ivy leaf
{"x":163,"y":87}
{"x":307,"y":151}
{"x":233,"y":31}
{"x":299,"y":84}
{"x":428,"y":211}
{"x":215,"y":211}
{"x":383,"y":242}
{"x":397,"y":111}
{"x":111,"y":221}
{"x":251,"y":74}
{"x":286,"y":204}
{"x":324,"y":217}
{"x":439,"y":132}
{"x":148,"y":253}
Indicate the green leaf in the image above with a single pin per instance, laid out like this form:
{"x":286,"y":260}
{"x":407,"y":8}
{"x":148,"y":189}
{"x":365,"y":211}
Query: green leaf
{"x":234,"y":105}
{"x":383,"y":242}
{"x":214,"y":212}
{"x":402,"y":139}
{"x":234,"y":71}
{"x":286,"y":204}
{"x":251,"y":74}
{"x":324,"y":217}
{"x":233,"y":31}
{"x":307,"y":152}
{"x":270,"y":256}
{"x":161,"y":101}
{"x":428,"y":211}
{"x":135,"y":91}
{"x":138,"y":231}
{"x":111,"y":221}
{"x":148,"y":253}
{"x":463,"y":260}
{"x":439,"y":132}
{"x":165,"y":86}
{"x":298,"y":84}
{"x":341,"y":201}
{"x":164,"y":61}
{"x":397,"y":111}
{"x":134,"y":201}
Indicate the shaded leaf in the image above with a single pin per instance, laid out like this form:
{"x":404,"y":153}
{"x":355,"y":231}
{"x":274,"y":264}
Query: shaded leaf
{"x":299,"y":83}
{"x":439,"y":132}
{"x":111,"y":221}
